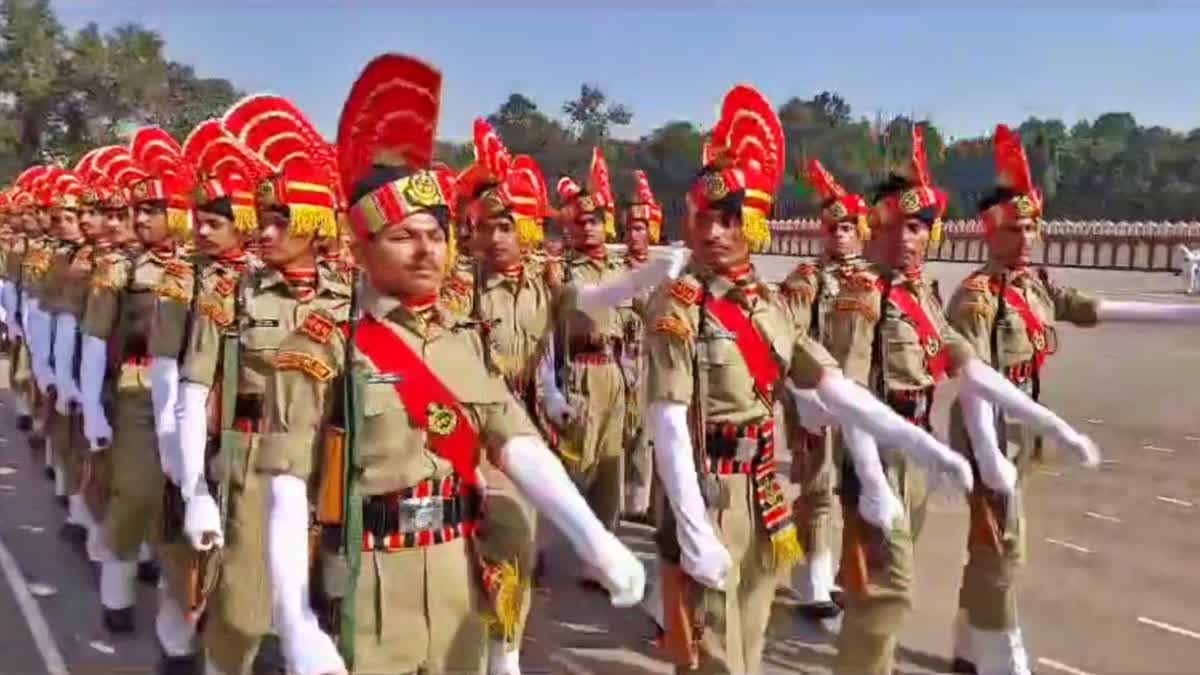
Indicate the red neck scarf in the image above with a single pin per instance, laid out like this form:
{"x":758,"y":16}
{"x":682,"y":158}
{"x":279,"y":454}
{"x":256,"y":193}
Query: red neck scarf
{"x":303,"y":283}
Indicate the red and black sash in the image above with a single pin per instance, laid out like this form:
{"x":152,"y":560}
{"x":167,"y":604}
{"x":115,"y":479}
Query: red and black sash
{"x":755,"y":350}
{"x":1034,"y":328}
{"x":937,"y":358}
{"x":428,"y":402}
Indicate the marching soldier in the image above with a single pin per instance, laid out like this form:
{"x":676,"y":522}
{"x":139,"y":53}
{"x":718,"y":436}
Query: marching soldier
{"x":421,"y":408}
{"x":716,"y":347}
{"x":25,"y":231}
{"x":115,"y":379}
{"x":888,"y":332}
{"x":1007,"y":313}
{"x":807,"y":296}
{"x":240,"y":319}
{"x":34,"y":266}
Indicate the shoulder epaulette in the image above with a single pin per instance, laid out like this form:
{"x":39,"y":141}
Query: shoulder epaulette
{"x":673,"y":326}
{"x":685,"y":291}
{"x":318,"y":327}
{"x":216,"y":312}
{"x":180,"y":269}
{"x":860,"y":280}
{"x":979,"y":282}
{"x":225,"y":286}
{"x":305,"y":363}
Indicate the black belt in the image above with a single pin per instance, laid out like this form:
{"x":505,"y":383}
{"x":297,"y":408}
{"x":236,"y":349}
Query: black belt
{"x":432,"y":506}
{"x":248,"y":408}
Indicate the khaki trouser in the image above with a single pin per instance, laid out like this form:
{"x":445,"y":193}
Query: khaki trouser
{"x":996,"y":539}
{"x":639,"y":448}
{"x":135,"y":475}
{"x":21,"y":370}
{"x":66,"y":438}
{"x":813,"y":472}
{"x":509,"y":536}
{"x":419,"y":610}
{"x":736,"y":619}
{"x":875,"y":613}
{"x":239,"y":609}
{"x":592,"y":450}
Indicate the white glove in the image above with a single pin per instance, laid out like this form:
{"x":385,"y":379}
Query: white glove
{"x":985,"y":382}
{"x":192,"y":412}
{"x":1147,"y":312}
{"x":307,"y":649}
{"x":92,"y":363}
{"x":702,"y":555}
{"x":877,"y":503}
{"x":64,"y":358}
{"x":594,"y":298}
{"x":543,"y":481}
{"x":810,"y":409}
{"x":39,"y":347}
{"x":995,"y":470}
{"x":854,"y":406}
{"x":558,"y":410}
{"x":202,"y":523}
{"x":164,"y":386}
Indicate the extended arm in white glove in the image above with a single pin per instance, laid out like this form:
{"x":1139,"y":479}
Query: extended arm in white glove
{"x":557,"y":408}
{"x":810,"y":409}
{"x":193,"y":436}
{"x":988,"y":384}
{"x":594,"y":298}
{"x":854,"y":406}
{"x":541,"y":478}
{"x":1147,"y":312}
{"x":92,"y":364}
{"x":308,"y":650}
{"x":64,"y":358}
{"x":8,"y":295}
{"x":39,"y":345}
{"x":702,"y":555}
{"x":164,"y":387}
{"x":877,"y":503}
{"x":979,"y":418}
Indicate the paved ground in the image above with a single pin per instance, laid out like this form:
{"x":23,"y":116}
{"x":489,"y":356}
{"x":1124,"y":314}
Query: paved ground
{"x":1112,"y":588}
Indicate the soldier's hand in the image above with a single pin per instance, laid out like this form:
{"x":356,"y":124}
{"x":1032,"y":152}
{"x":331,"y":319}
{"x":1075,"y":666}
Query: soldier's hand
{"x":202,"y":523}
{"x":559,"y":411}
{"x":309,"y":651}
{"x":882,"y":508}
{"x":1083,"y":447}
{"x":705,"y":559}
{"x":677,"y":260}
{"x":621,"y":573}
{"x":998,"y":473}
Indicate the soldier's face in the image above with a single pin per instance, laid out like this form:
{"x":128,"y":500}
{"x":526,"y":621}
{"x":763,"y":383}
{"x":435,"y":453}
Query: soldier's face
{"x":717,"y":240}
{"x":151,"y":223}
{"x":841,"y":239}
{"x":68,"y":225}
{"x":553,"y":247}
{"x":91,"y":222}
{"x":406,"y":259}
{"x":587,"y":232}
{"x":43,"y":218}
{"x":215,"y":234}
{"x":904,"y":244}
{"x":29,"y":222}
{"x":637,"y":236}
{"x":1011,"y":243}
{"x":118,"y":226}
{"x":496,"y":240}
{"x":277,"y":245}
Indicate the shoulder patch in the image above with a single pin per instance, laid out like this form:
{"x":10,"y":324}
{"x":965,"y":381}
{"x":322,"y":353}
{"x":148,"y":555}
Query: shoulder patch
{"x":980,"y":308}
{"x":978,"y":282}
{"x":318,"y":327}
{"x":860,"y":281}
{"x":180,"y":269}
{"x":170,"y":289}
{"x":216,"y":313}
{"x":107,"y":275}
{"x":225,"y":286}
{"x":673,"y":325}
{"x":305,"y":363}
{"x":685,"y":292}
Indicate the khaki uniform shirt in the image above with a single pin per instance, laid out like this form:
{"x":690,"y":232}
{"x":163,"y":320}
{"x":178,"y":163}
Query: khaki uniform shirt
{"x":673,"y":322}
{"x":35,"y":265}
{"x":393,"y":453}
{"x":852,"y":331}
{"x":604,"y":326}
{"x":973,"y":307}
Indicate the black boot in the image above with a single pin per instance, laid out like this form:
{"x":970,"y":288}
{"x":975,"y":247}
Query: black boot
{"x":179,"y":665}
{"x":118,"y":621}
{"x":963,"y":666}
{"x":49,"y":473}
{"x":148,"y":572}
{"x":37,"y":443}
{"x":817,"y":611}
{"x":24,"y":423}
{"x":73,"y":534}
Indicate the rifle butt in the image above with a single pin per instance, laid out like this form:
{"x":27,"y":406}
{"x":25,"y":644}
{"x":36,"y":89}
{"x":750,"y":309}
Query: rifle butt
{"x":331,"y":495}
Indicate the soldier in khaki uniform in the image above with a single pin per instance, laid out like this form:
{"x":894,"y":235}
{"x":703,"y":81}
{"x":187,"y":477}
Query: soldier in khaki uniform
{"x":428,"y":408}
{"x":888,"y":332}
{"x":20,"y":374}
{"x":115,"y":378}
{"x":717,"y":346}
{"x":34,"y":266}
{"x":240,"y":319}
{"x":807,"y":295}
{"x":1007,"y":313}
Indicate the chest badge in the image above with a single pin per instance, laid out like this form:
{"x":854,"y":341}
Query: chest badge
{"x":442,"y":419}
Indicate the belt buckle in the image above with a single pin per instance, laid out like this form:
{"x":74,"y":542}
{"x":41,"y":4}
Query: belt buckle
{"x":420,"y":513}
{"x":747,"y":450}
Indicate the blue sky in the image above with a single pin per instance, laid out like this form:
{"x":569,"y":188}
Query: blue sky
{"x":965,"y":68}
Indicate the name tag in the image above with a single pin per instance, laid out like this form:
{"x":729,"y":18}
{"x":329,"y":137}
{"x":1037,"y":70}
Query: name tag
{"x":265,"y":323}
{"x":385,"y":378}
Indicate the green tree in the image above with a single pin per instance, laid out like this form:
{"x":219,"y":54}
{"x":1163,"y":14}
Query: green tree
{"x":592,"y":115}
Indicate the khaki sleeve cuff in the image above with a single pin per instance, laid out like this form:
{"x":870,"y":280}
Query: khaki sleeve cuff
{"x":286,"y":452}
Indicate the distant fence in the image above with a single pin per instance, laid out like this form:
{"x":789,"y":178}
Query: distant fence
{"x":1144,"y":247}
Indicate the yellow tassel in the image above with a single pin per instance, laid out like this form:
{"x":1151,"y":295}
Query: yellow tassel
{"x":935,"y":232}
{"x":306,"y":220}
{"x":451,"y":252}
{"x":864,"y":229}
{"x":509,"y":600}
{"x":610,"y":226}
{"x":529,"y":233}
{"x":245,"y":218}
{"x":786,"y":549}
{"x":179,"y":222}
{"x":755,"y":229}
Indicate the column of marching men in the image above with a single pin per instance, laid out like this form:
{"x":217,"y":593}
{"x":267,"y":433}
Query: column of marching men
{"x":324,"y":391}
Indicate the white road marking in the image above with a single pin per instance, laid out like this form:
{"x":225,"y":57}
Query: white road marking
{"x":1169,"y":628}
{"x":1191,"y":438}
{"x":7,"y":470}
{"x":1156,"y":448}
{"x":1066,"y":544}
{"x":1093,"y":420}
{"x":1101,"y":516}
{"x":1177,"y":502}
{"x":102,"y":647}
{"x":43,"y":639}
{"x":1061,"y":667}
{"x":1052,"y":474}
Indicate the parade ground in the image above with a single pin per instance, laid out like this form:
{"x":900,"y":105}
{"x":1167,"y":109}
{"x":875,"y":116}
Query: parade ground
{"x":1111,"y":588}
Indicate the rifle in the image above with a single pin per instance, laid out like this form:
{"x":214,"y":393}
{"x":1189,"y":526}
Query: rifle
{"x":339,"y":502}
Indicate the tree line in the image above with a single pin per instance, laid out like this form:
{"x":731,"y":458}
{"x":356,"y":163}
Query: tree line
{"x":63,"y":93}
